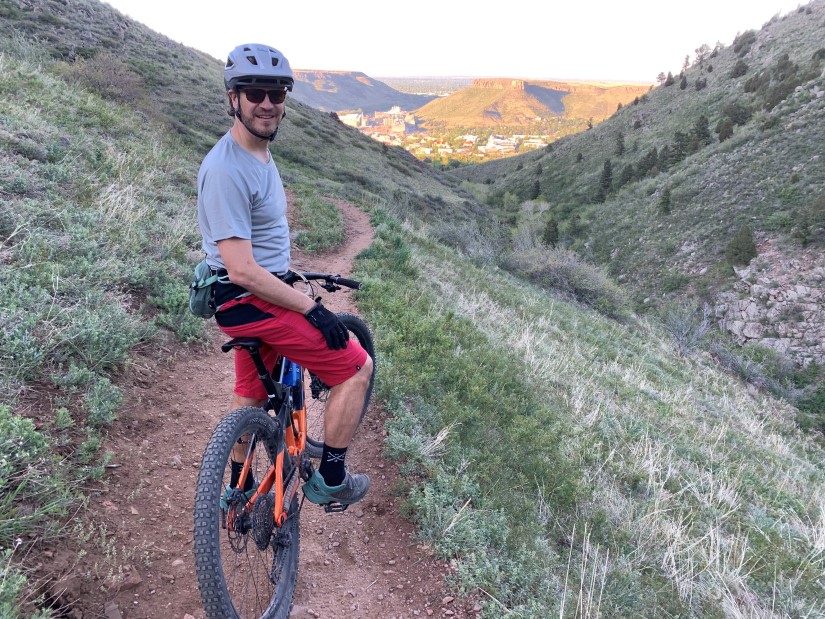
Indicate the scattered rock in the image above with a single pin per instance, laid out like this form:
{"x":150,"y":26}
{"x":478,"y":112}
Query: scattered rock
{"x":111,"y":611}
{"x":175,"y":462}
{"x":178,"y":563}
{"x":132,"y":579}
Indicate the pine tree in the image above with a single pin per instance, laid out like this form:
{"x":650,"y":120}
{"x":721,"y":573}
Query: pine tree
{"x":535,"y":192}
{"x":701,"y":129}
{"x":620,"y":144}
{"x":627,"y":175}
{"x":742,"y":248}
{"x":724,"y":128}
{"x":550,"y":234}
{"x":647,"y":163}
{"x":664,"y":201}
{"x":606,"y":180}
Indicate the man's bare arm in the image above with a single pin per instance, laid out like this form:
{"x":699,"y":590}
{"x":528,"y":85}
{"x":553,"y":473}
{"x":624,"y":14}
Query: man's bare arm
{"x":245,"y":272}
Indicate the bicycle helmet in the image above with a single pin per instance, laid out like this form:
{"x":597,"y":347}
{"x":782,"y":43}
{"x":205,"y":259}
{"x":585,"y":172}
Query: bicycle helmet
{"x":253,"y":64}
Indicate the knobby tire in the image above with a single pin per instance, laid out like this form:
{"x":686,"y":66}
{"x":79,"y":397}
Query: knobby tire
{"x":235,"y":577}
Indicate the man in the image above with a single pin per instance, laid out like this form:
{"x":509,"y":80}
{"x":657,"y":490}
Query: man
{"x":242,"y":217}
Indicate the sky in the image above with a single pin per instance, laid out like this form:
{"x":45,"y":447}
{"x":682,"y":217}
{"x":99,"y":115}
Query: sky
{"x":633,"y":40}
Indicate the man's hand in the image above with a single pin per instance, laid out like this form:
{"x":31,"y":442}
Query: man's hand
{"x":334,"y":331}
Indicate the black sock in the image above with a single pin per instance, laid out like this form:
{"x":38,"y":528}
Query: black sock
{"x":332,"y":465}
{"x":237,"y":467}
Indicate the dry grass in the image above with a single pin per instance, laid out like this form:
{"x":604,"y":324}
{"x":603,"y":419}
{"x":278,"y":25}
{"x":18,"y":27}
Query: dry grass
{"x":707,"y":482}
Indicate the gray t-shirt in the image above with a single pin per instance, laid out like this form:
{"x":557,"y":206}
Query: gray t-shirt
{"x":240,"y":197}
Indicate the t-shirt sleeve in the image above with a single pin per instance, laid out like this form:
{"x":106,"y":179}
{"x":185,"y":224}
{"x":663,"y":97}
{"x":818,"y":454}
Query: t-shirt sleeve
{"x":225,"y":203}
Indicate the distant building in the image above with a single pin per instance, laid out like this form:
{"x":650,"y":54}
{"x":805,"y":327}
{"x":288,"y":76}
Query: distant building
{"x":353,"y":120}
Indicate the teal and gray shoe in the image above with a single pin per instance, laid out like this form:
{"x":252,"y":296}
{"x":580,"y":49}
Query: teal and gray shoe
{"x":229,"y":493}
{"x":353,"y":489}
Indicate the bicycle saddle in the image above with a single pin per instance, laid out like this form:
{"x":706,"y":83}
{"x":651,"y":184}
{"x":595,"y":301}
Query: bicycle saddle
{"x":247,"y":343}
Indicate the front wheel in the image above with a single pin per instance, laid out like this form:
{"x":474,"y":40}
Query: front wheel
{"x":317,"y":392}
{"x":246,"y":566}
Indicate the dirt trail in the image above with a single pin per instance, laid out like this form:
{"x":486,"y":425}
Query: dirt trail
{"x":138,"y":563}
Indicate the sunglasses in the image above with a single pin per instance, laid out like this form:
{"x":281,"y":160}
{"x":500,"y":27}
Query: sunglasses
{"x":257,"y":95}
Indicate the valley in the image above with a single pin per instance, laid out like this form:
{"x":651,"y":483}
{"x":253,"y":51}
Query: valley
{"x":463,"y":122}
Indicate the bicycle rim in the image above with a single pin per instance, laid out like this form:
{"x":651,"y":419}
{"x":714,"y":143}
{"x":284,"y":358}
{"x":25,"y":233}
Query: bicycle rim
{"x":317,"y":392}
{"x":246,"y":570}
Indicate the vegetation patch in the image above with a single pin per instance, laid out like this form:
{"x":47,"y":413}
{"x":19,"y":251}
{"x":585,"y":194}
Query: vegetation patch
{"x":665,"y":461}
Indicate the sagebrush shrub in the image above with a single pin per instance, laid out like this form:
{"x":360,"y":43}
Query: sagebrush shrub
{"x":110,"y":77}
{"x":687,"y":324}
{"x":564,"y":272}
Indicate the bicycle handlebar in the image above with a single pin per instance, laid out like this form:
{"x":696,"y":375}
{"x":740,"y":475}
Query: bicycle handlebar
{"x":337,"y":280}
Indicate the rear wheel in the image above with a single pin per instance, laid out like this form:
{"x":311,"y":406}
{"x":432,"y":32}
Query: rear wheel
{"x":317,"y":392}
{"x":246,"y":566}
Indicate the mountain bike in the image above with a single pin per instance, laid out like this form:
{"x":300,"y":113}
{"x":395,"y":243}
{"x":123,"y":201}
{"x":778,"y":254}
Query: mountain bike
{"x":247,"y":542}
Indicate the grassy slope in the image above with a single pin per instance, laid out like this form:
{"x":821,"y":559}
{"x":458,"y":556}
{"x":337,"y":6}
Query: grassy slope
{"x":607,"y":435}
{"x":578,"y":467}
{"x":762,"y":176}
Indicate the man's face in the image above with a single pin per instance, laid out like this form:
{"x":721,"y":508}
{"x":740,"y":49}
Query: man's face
{"x":262,"y":108}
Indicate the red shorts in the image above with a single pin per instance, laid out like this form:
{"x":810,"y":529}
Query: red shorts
{"x":289,"y":334}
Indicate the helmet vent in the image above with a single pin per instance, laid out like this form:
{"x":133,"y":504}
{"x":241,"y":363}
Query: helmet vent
{"x":274,"y":62}
{"x":253,"y":60}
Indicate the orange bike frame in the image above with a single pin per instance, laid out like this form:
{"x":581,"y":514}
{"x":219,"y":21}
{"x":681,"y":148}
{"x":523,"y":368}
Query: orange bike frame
{"x":295,"y":438}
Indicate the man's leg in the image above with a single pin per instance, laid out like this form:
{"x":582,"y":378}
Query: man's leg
{"x":343,"y":411}
{"x":331,"y":483}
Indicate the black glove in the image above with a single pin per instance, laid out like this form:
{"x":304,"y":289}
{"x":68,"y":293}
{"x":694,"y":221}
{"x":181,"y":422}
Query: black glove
{"x":335,"y":333}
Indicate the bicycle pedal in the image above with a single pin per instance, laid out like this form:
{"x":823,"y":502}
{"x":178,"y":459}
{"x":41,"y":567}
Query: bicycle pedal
{"x":335,"y":508}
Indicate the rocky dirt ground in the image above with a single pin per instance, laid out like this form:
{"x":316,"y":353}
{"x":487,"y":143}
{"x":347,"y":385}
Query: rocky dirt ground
{"x":135,"y":559}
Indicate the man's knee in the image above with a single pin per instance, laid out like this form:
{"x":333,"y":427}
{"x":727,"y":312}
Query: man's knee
{"x":361,"y":378}
{"x":365,"y":373}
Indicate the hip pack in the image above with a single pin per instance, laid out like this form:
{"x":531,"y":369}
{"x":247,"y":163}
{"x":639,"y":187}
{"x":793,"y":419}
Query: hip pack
{"x":202,"y":290}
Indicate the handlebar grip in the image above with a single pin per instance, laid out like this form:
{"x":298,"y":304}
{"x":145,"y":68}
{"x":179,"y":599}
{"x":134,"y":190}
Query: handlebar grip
{"x":349,"y":283}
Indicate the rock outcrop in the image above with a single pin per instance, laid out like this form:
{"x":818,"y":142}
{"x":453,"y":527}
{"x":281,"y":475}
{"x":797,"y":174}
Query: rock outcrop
{"x":779,"y":301}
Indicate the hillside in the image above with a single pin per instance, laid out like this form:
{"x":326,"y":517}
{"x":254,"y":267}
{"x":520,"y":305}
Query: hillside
{"x":333,"y":91}
{"x":657,"y":192}
{"x":98,"y":238}
{"x":515,"y":102}
{"x":563,"y":455}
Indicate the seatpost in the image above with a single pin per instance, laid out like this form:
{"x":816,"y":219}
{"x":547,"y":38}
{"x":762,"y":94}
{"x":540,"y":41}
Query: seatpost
{"x":273,"y":390}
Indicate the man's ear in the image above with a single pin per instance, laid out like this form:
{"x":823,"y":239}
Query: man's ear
{"x":284,"y":116}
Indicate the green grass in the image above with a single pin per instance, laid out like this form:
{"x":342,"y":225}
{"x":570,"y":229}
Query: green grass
{"x":572,"y":465}
{"x":319,"y":222}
